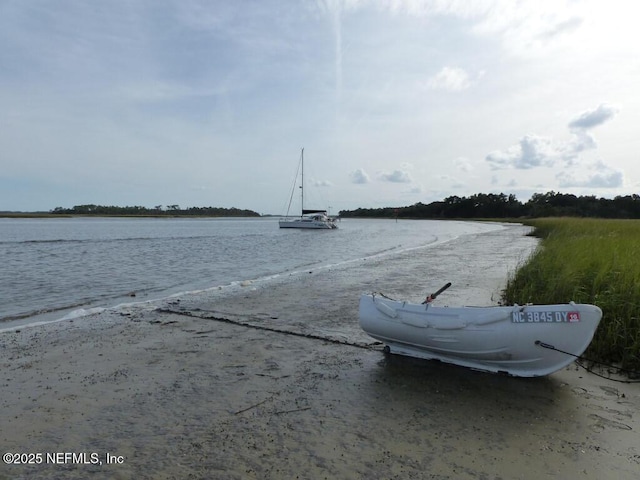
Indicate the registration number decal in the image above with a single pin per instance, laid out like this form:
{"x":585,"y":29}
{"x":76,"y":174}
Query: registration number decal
{"x":545,"y":317}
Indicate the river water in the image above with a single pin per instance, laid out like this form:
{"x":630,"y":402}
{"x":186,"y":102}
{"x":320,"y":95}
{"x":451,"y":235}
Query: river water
{"x":52,"y":267}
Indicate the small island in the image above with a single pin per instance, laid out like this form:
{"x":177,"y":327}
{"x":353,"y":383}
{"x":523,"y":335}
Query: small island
{"x":138,"y":211}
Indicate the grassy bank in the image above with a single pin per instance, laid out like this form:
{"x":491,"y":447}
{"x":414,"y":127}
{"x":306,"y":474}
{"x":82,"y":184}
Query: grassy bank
{"x":588,"y":261}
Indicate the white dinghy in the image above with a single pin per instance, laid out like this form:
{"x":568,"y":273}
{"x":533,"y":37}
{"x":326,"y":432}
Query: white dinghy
{"x":521,"y":340}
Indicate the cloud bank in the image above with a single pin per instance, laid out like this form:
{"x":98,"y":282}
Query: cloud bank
{"x":533,"y":151}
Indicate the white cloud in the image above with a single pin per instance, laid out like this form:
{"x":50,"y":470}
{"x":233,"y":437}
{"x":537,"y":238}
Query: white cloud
{"x":463,"y":164}
{"x":397,"y":176}
{"x":359,"y":176}
{"x":599,"y":176}
{"x":321,"y":183}
{"x":592,"y":118}
{"x":452,"y":79}
{"x":530,"y":28}
{"x":534,"y":151}
{"x":561,"y":28}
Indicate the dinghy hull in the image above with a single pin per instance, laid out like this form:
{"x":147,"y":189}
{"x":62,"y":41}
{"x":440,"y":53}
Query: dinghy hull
{"x":524,"y":341}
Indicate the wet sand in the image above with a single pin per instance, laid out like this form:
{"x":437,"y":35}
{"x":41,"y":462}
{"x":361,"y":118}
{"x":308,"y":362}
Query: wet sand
{"x":278,"y":381}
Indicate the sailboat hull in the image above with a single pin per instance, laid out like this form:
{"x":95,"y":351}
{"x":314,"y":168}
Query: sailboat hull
{"x":308,"y":223}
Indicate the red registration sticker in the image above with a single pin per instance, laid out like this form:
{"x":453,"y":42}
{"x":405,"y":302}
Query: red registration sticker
{"x":573,"y":316}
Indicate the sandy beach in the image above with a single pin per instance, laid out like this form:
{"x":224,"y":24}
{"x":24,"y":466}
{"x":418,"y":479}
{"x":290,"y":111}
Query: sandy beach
{"x":277,"y":381}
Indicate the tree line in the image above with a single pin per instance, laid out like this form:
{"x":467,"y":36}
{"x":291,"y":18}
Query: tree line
{"x":481,"y":205}
{"x":170,"y":210}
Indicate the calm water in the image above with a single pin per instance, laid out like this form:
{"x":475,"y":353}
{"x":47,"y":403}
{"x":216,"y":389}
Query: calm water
{"x":53,"y":266}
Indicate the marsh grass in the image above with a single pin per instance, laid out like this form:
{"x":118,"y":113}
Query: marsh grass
{"x":588,"y":261}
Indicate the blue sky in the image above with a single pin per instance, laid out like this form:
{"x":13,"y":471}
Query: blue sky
{"x":208,"y":103}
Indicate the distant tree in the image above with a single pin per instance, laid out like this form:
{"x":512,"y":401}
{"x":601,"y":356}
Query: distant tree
{"x":142,"y":211}
{"x":491,"y":205}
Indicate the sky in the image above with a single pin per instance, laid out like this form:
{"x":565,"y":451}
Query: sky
{"x":209,"y":102}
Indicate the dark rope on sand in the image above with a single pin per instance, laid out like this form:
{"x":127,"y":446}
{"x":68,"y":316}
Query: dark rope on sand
{"x":580,"y":358}
{"x":205,"y":316}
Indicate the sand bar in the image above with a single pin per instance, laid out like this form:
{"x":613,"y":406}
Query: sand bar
{"x":278,"y":381}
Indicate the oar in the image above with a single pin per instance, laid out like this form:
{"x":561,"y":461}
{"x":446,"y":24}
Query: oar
{"x":432,"y":297}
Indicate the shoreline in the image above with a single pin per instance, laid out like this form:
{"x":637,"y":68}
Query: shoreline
{"x":174,"y":395}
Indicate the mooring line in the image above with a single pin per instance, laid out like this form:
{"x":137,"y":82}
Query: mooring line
{"x":579,"y":358}
{"x":205,"y":316}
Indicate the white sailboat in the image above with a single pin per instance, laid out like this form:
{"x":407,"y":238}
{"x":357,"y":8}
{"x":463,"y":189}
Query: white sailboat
{"x":311,"y":219}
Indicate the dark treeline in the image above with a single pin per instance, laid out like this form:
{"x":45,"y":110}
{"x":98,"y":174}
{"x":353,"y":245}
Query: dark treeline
{"x":550,"y":204}
{"x":171,"y":210}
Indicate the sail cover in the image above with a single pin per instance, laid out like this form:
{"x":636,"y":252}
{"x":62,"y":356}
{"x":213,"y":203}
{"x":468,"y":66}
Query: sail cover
{"x":306,"y":212}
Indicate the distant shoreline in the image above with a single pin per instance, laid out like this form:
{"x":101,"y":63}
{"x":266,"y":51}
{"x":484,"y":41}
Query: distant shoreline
{"x":102,"y":215}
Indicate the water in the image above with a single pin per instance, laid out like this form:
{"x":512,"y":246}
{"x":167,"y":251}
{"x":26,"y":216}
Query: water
{"x":50,"y":267}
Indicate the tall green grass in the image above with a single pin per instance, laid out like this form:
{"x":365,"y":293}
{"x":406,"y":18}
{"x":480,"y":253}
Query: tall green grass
{"x":588,"y":261}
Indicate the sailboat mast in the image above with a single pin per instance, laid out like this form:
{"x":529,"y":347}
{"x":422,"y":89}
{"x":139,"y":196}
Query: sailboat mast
{"x":302,"y":180}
